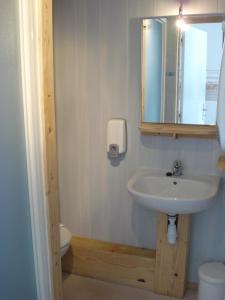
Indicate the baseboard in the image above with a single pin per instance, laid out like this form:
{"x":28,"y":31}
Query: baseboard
{"x":192,"y":286}
{"x":111,"y":262}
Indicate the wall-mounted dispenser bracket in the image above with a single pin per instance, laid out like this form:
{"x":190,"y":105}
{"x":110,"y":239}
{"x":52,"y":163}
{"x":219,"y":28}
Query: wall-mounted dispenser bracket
{"x":116,"y":137}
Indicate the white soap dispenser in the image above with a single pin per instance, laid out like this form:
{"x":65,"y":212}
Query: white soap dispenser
{"x":116,"y":137}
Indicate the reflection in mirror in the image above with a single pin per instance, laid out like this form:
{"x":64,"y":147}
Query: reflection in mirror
{"x":180,"y":70}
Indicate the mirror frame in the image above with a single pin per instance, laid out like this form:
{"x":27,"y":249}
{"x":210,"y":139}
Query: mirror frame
{"x":172,"y":129}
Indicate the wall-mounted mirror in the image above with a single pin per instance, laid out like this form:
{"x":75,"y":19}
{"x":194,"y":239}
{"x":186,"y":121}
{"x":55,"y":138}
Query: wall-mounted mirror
{"x":180,"y":69}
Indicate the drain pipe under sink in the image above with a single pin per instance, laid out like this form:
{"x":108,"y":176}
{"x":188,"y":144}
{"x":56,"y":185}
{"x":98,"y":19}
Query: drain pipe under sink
{"x":172,"y":229}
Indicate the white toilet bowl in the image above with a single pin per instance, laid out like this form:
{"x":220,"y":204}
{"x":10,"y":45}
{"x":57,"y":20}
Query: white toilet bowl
{"x":65,"y":238}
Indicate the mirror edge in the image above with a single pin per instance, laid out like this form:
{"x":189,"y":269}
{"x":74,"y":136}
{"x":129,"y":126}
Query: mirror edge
{"x":177,"y":130}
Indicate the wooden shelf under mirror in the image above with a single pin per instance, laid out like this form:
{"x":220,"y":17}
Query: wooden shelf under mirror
{"x":175,"y":130}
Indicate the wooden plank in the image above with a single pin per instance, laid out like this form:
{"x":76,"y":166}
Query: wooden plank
{"x":111,"y":262}
{"x":198,"y":19}
{"x":171,"y":260}
{"x":192,"y":285}
{"x":221,"y":163}
{"x":50,"y":146}
{"x":203,"y":131}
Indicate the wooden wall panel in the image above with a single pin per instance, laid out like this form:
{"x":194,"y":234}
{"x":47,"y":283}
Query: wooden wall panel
{"x":111,"y":262}
{"x":221,"y":163}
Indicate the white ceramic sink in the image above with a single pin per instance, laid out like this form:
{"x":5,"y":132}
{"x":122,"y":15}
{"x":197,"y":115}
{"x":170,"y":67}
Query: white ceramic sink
{"x":173,"y":195}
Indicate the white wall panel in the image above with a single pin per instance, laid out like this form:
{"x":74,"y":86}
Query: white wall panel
{"x":221,"y":5}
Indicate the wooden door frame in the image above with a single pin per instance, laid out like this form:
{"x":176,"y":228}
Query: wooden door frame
{"x":36,"y":58}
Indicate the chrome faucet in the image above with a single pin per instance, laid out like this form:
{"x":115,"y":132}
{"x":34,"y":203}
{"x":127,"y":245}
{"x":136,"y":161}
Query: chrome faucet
{"x":177,"y":168}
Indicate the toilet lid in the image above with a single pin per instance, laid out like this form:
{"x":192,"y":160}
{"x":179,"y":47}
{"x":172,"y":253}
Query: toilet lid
{"x":65,"y":236}
{"x":213,"y":272}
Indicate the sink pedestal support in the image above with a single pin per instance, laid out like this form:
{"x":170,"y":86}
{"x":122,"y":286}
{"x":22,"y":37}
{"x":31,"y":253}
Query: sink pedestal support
{"x":171,"y":260}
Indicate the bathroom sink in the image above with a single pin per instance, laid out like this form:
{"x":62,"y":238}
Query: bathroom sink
{"x":173,"y":195}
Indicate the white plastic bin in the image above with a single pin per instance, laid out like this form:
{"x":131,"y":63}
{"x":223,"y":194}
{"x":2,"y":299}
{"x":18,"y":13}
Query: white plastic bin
{"x":211,"y":281}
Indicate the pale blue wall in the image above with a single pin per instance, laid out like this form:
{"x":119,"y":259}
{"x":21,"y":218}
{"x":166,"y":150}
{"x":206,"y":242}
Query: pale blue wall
{"x":215,"y":44}
{"x":17,"y":279}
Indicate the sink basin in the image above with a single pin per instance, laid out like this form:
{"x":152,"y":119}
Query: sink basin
{"x":173,"y":195}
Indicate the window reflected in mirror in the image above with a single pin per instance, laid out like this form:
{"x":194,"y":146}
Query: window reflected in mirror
{"x":180,"y":69}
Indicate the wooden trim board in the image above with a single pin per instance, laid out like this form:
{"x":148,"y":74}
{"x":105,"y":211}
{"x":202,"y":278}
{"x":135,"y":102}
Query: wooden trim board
{"x":110,"y":262}
{"x":192,"y":286}
{"x":171,"y":260}
{"x":221,"y":163}
{"x":196,"y":131}
{"x":50,"y":145}
{"x":204,"y":19}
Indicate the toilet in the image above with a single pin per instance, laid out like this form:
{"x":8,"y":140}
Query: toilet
{"x":65,"y":238}
{"x":212,"y":281}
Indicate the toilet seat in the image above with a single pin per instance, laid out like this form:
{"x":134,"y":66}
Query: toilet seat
{"x":65,"y":238}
